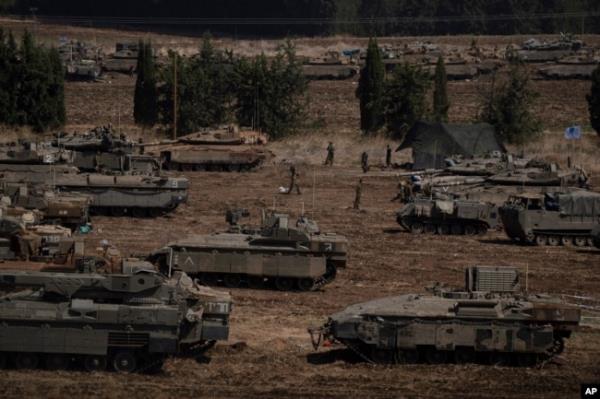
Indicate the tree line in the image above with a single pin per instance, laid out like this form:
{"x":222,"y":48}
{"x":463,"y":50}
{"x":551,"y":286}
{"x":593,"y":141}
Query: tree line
{"x":215,"y":88}
{"x":31,"y":84}
{"x":377,"y":17}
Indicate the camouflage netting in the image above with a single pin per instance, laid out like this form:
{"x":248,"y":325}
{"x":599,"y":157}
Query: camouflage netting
{"x":580,"y":203}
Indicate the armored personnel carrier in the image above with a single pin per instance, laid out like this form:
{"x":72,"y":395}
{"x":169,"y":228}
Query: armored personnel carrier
{"x":444,"y":217}
{"x":489,"y":321}
{"x":129,"y":322}
{"x":223,"y":149}
{"x":552,"y":219}
{"x":290,"y":256}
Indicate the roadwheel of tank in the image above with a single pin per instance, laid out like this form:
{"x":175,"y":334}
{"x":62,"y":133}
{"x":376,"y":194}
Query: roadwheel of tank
{"x":118,"y":211}
{"x":26,"y":361}
{"x":566,"y":241}
{"x":284,"y":283}
{"x":527,"y":359}
{"x":92,"y":363}
{"x":306,"y":284}
{"x":56,"y":362}
{"x":434,"y":356}
{"x":444,"y":229}
{"x":554,"y":241}
{"x":501,"y":359}
{"x":471,"y":230}
{"x":124,"y":362}
{"x":210,"y":279}
{"x":407,"y":356}
{"x":417,"y":228}
{"x":256,"y":282}
{"x":580,"y":241}
{"x":464,"y":355}
{"x":138,"y":213}
{"x":541,"y":240}
{"x":590,"y":241}
{"x":456,"y":230}
{"x":155,"y":212}
{"x":232,"y":280}
{"x":430,"y":228}
{"x":482,"y":230}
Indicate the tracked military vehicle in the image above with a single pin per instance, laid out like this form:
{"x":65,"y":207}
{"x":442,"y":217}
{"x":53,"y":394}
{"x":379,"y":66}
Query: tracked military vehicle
{"x":446,"y":217}
{"x":289,"y":256}
{"x":552,"y":219}
{"x":489,"y":321}
{"x":128,"y":322}
{"x":596,"y":236}
{"x":224,"y":149}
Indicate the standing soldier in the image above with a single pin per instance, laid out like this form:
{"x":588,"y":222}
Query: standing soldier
{"x":330,"y":154}
{"x":388,"y":157}
{"x":293,"y":183}
{"x":358,"y":194}
{"x":364,"y":162}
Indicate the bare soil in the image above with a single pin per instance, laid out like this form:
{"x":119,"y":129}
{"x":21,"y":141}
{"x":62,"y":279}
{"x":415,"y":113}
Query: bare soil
{"x":276,"y":359}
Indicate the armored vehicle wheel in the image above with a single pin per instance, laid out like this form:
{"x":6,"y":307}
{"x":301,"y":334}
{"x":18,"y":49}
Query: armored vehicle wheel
{"x":590,"y":242}
{"x":443,"y":229}
{"x":530,"y":239}
{"x":434,"y":356}
{"x":553,"y":241}
{"x":541,"y":240}
{"x":117,"y":211}
{"x":470,"y":230}
{"x":430,"y":228}
{"x":527,"y":359}
{"x":417,"y":228}
{"x":199,"y":168}
{"x":155,"y":212}
{"x":408,"y":356}
{"x":232,"y":280}
{"x":256,"y":282}
{"x":27,"y":361}
{"x":124,"y":362}
{"x":306,"y":284}
{"x":209,"y":279}
{"x":456,"y":230}
{"x":482,"y":230}
{"x":464,"y":355}
{"x":580,"y":241}
{"x":566,"y":240}
{"x":94,"y":363}
{"x":57,"y":362}
{"x":284,"y":283}
{"x":138,"y":212}
{"x":500,"y":359}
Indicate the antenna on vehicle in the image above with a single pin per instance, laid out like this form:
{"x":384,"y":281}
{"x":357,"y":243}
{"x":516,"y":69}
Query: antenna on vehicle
{"x":314,"y":188}
{"x":527,"y":277}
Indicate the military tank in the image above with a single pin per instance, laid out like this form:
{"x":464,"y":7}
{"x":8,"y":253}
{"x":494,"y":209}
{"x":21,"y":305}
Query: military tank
{"x":286,"y":255}
{"x":129,"y":322}
{"x":221,"y":149}
{"x":444,"y":217}
{"x":552,"y":219}
{"x":490,"y":321}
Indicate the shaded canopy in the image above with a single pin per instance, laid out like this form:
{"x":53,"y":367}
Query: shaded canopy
{"x":432,"y":143}
{"x":580,"y":203}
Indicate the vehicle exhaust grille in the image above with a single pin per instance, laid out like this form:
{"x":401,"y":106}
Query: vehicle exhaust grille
{"x":124,"y":339}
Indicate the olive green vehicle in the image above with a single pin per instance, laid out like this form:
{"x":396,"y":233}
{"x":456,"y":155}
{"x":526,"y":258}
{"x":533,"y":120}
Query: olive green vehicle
{"x":552,"y":219}
{"x":444,"y":217}
{"x":289,"y":256}
{"x":127,"y":322}
{"x":489,"y":322}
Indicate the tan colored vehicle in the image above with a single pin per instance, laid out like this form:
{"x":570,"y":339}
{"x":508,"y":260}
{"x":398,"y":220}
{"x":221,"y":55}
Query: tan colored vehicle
{"x":489,"y":321}
{"x":280,"y":253}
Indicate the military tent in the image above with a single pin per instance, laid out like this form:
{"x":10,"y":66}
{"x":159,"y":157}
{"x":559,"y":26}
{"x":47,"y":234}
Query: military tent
{"x":432,"y":143}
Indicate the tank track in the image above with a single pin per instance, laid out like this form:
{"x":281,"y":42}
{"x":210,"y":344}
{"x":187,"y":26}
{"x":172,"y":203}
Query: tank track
{"x":422,"y":226}
{"x":557,"y":239}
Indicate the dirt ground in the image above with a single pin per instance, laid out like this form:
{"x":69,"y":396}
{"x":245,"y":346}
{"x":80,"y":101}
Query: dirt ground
{"x":276,"y":359}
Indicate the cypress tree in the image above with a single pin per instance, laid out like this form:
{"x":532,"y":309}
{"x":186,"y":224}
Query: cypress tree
{"x":440,"y":94}
{"x":145,"y":106}
{"x":370,"y":90}
{"x":56,"y":89}
{"x":593,"y":100}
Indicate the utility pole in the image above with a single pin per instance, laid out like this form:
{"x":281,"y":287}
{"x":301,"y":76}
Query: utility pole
{"x":174,"y":96}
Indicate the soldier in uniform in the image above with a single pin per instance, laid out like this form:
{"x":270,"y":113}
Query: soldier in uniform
{"x":358,"y":195}
{"x":364,"y":162}
{"x":388,"y":156}
{"x":293,"y":183}
{"x":404,"y":192}
{"x":330,"y":154}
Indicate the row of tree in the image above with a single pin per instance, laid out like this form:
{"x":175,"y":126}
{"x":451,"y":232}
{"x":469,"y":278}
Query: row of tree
{"x":399,"y":102}
{"x":410,"y":17}
{"x":214,"y":88}
{"x":31,"y":84}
